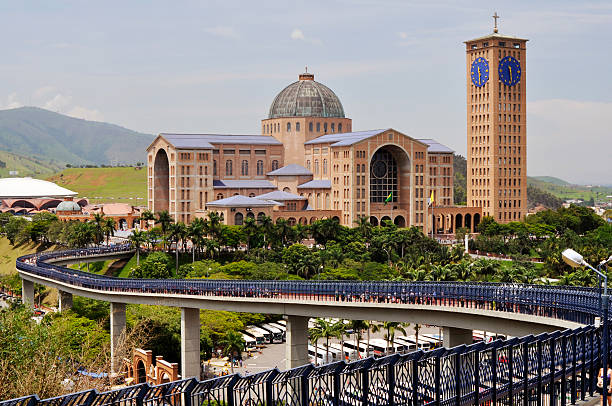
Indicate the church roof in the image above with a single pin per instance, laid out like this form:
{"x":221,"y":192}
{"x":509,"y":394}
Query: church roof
{"x":240,"y":201}
{"x":291,"y":169}
{"x":306,"y":98}
{"x":243,"y":184}
{"x":206,"y":141}
{"x":279,"y":195}
{"x":343,"y":139}
{"x":496,"y":35}
{"x":316,"y":184}
{"x":435,"y":146}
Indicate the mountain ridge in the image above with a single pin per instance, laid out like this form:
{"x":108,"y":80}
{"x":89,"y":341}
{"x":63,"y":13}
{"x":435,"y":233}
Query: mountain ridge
{"x":33,"y":131}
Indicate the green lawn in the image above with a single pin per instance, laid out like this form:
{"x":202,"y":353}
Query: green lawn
{"x":9,"y":254}
{"x":127,"y":185}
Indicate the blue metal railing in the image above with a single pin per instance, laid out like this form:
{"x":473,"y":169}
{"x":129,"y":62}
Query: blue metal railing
{"x":550,"y":368}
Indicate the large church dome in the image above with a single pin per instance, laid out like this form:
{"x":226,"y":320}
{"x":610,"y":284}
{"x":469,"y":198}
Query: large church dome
{"x":306,"y":98}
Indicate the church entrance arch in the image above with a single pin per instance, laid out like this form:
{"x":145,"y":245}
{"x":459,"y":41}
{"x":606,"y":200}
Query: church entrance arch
{"x":390,"y":174}
{"x":400,"y":221}
{"x":161,"y":182}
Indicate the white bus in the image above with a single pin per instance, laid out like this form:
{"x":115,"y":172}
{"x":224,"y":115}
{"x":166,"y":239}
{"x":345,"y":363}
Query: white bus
{"x":423,"y":344}
{"x":362,"y":348}
{"x":349,"y":354}
{"x":334,"y":353}
{"x":249,"y":342}
{"x":380,"y":346}
{"x":320,"y":357}
{"x":434,"y":340}
{"x":277,"y":334}
{"x":260,"y":339}
{"x":409,"y":345}
{"x":279,"y":326}
{"x":282,"y":322}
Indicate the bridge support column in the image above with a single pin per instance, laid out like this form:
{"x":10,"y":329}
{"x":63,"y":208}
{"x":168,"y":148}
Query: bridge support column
{"x":297,"y":341}
{"x":27,"y":292}
{"x":117,"y":326}
{"x":453,"y":337}
{"x":190,"y":342}
{"x":65,"y":301}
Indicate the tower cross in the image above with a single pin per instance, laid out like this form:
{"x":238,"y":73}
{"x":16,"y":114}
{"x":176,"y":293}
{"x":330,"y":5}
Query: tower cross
{"x":495,"y":17}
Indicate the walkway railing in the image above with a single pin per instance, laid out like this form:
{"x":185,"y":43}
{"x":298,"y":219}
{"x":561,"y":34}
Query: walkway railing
{"x":552,"y":368}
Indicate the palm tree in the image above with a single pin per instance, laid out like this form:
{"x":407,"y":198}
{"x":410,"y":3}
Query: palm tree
{"x":283,"y":229}
{"x":233,"y":344}
{"x":176,"y":232}
{"x":341,"y":329}
{"x":164,"y":220}
{"x":98,"y":220}
{"x":358,"y":326}
{"x":391,"y":327}
{"x":324,"y":329}
{"x":417,"y":328}
{"x":136,"y":239}
{"x":109,"y":227}
{"x":267,"y":226}
{"x":365,"y":227}
{"x":250,"y":230}
{"x":196,"y":232}
{"x":147,"y":216}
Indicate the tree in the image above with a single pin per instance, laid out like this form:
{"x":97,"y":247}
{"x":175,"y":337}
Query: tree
{"x":176,"y":232}
{"x":364,"y":227}
{"x":147,"y":216}
{"x":155,"y":266}
{"x":109,"y":226}
{"x":267,"y":227}
{"x":164,"y":220}
{"x":390,"y":327}
{"x":232,"y":344}
{"x":98,"y":221}
{"x":136,"y":239}
{"x":323,"y":329}
{"x":251,"y":231}
{"x":196,"y":231}
{"x":358,"y":326}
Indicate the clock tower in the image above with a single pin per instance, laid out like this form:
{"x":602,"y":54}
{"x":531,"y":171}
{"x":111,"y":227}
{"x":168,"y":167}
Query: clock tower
{"x":496,"y":126}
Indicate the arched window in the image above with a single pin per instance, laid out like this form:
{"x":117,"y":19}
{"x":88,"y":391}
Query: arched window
{"x":339,"y":127}
{"x":219,"y":196}
{"x":260,"y":168}
{"x":333,"y":127}
{"x":244,"y":168}
{"x":318,"y":127}
{"x":325,"y":128}
{"x":316,"y":166}
{"x":238,"y":219}
{"x":251,"y":194}
{"x":326,"y":201}
{"x":297,"y":126}
{"x":274,"y":165}
{"x":267,"y":128}
{"x":214,"y":167}
{"x":228,"y":168}
{"x":310,"y":126}
{"x":308,"y":164}
{"x":325,"y":167}
{"x":288,"y":127}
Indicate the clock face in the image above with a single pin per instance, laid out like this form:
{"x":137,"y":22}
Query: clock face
{"x":379,"y":169}
{"x":480,"y":72}
{"x":509,"y":71}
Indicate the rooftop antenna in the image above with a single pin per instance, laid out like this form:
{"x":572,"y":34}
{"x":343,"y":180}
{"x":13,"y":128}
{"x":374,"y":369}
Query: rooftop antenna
{"x":306,"y":68}
{"x":495,"y":17}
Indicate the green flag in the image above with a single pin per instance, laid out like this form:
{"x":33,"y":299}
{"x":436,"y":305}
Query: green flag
{"x":389,"y":198}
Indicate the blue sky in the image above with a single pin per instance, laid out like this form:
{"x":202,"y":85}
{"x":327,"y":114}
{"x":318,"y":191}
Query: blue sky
{"x":215,"y":66}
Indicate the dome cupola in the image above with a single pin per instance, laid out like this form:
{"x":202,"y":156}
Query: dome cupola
{"x":306,"y":98}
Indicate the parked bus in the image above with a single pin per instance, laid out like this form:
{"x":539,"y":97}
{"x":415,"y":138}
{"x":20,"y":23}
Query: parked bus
{"x":249,"y":342}
{"x":282,"y":322}
{"x":320,"y":357}
{"x":277,"y":334}
{"x":267,"y":335}
{"x":260,"y":339}
{"x":423,"y":344}
{"x":434,"y":342}
{"x":380,"y":346}
{"x":409,"y":345}
{"x":281,"y":327}
{"x":362,"y":348}
{"x":349,"y":354}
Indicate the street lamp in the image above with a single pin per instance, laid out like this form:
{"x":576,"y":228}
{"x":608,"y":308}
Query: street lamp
{"x":575,"y":260}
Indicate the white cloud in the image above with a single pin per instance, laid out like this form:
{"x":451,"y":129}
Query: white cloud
{"x":223,"y":31}
{"x":402,"y":35}
{"x":85,"y":113}
{"x":569,"y":139}
{"x":11,"y":102}
{"x":58,"y":103}
{"x":41,"y":92}
{"x":297,"y":34}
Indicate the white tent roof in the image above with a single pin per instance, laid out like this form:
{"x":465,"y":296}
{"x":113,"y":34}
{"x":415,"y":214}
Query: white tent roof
{"x":29,"y":188}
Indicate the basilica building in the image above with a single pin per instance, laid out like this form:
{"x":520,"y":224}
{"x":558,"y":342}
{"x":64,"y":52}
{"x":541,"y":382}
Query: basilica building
{"x":307,"y":164}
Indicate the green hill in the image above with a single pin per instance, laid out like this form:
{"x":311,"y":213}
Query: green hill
{"x":35,"y":132}
{"x":567,"y":191}
{"x":127,"y":185}
{"x":26,"y":166}
{"x":551,"y":179}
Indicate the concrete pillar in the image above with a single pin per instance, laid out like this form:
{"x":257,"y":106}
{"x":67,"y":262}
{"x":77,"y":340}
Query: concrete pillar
{"x":297,"y":341}
{"x":453,"y":337}
{"x":117,"y":327}
{"x":27,"y":292}
{"x":65,"y":301}
{"x":190,"y":342}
